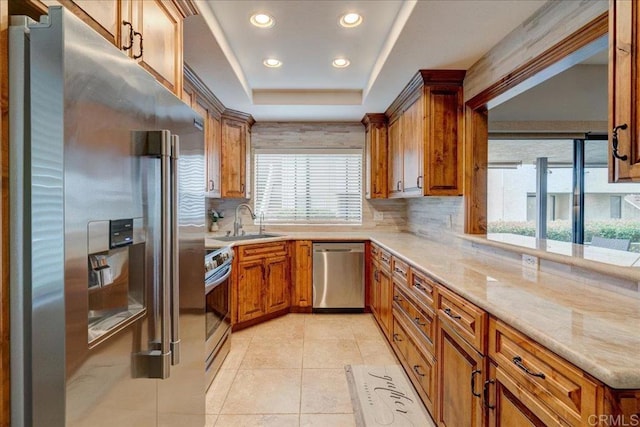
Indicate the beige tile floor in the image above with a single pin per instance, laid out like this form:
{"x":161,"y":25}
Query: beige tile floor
{"x":289,"y":371}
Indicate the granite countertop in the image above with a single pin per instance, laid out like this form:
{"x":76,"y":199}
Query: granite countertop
{"x":595,"y":329}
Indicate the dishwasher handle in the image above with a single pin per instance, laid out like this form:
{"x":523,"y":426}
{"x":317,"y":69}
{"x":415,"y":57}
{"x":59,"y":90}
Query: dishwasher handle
{"x":335,"y":247}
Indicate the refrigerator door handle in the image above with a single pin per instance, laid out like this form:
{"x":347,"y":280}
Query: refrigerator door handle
{"x":165,"y":281}
{"x":156,"y":362}
{"x":175,"y":264}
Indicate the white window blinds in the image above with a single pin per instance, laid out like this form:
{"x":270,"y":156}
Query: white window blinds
{"x":309,"y":186}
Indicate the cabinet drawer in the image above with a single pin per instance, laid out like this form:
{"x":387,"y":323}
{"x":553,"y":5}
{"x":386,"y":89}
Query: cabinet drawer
{"x":399,"y":337}
{"x":423,"y":321}
{"x":400,"y":270}
{"x":375,"y":253}
{"x":423,"y":287}
{"x":423,"y":369}
{"x":385,"y":260}
{"x":558,"y":389}
{"x":465,"y":318}
{"x":264,"y":250}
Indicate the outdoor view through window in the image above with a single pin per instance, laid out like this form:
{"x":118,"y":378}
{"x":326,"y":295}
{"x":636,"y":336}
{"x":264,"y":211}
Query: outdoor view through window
{"x":547,"y":166}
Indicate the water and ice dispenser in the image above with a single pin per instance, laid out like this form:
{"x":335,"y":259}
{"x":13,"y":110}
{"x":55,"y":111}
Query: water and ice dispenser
{"x":116,"y":254}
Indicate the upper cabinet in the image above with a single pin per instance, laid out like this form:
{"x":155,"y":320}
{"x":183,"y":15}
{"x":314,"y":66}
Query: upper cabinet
{"x":624,"y":91}
{"x":205,"y":103}
{"x":375,"y":148}
{"x":235,"y":169}
{"x":149,"y":31}
{"x":157,"y":41}
{"x":426,"y":128}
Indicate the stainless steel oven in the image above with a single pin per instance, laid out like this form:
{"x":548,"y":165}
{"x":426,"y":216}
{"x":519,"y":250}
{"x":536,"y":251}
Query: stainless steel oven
{"x":218,"y":317}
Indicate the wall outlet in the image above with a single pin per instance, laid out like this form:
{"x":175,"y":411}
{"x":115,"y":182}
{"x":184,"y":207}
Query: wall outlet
{"x":378,"y":216}
{"x":530,"y":261}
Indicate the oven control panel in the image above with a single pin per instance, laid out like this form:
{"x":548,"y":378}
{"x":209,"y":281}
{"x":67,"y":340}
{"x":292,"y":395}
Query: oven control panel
{"x":216,"y":258}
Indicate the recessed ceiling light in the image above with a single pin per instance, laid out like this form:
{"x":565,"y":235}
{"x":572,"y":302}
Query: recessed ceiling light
{"x":262,"y":20}
{"x":350,"y":20}
{"x":341,"y":62}
{"x":272,"y":63}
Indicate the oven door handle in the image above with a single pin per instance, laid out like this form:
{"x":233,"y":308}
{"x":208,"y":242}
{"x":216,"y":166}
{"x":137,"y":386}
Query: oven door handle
{"x":209,"y":286}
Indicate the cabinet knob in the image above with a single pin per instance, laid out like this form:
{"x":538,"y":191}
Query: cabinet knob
{"x":614,"y":142}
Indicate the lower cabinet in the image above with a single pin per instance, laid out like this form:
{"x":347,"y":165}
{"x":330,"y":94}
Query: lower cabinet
{"x":277,"y":284}
{"x":460,"y":379}
{"x":262,"y":284}
{"x":301,"y":275}
{"x":506,"y":409}
{"x":381,"y":294}
{"x":543,"y":388}
{"x":250,"y":290}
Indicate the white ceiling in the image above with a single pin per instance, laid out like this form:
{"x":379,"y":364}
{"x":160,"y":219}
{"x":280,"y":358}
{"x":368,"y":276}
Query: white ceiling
{"x":396,"y":39}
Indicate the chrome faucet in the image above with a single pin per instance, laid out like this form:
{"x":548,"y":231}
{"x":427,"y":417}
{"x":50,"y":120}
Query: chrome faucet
{"x":237,"y":222}
{"x":261,"y":231}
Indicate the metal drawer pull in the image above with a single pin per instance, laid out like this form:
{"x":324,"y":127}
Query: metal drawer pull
{"x":384,"y":259}
{"x":473,"y":382}
{"x":485,"y":392}
{"x":396,"y":338}
{"x":399,"y":270}
{"x":449,"y":313}
{"x":417,"y":320}
{"x":397,"y":298}
{"x":417,"y":371}
{"x":418,"y":179}
{"x":419,"y":287}
{"x":517,"y":360}
{"x":614,"y":142}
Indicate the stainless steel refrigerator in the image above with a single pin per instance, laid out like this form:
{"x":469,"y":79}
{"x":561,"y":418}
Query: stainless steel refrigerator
{"x":107,"y":241}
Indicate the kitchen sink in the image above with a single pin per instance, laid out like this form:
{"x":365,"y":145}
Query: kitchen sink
{"x":246,"y":237}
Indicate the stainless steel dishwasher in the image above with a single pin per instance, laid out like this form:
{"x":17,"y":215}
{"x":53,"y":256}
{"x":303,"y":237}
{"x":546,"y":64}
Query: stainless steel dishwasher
{"x":338,"y":277}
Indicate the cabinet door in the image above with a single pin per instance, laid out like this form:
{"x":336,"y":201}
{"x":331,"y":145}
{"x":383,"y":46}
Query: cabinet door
{"x":159,"y":48}
{"x":506,"y":409}
{"x":277,"y":284}
{"x":376,"y":161}
{"x":302,"y":274}
{"x":413,"y":148}
{"x":460,"y":366}
{"x":204,"y":112}
{"x":233,"y":158}
{"x":385,"y":300}
{"x":395,"y":159}
{"x":212,"y":153}
{"x":444,"y":135}
{"x":104,"y":16}
{"x":624,"y":89}
{"x":250,"y":290}
{"x":374,"y":302}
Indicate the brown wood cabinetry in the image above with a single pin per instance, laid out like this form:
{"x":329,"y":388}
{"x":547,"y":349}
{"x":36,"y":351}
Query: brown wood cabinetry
{"x":554,"y":391}
{"x":236,"y":152}
{"x":150,"y":31}
{"x":157,"y":41}
{"x":381,"y":288}
{"x":624,"y":90}
{"x":302,"y":276}
{"x":460,"y":378}
{"x":262,"y":281}
{"x":277,"y":283}
{"x":395,"y":159}
{"x":250,"y":290}
{"x":413,"y":145}
{"x":205,"y":103}
{"x":375,"y":147}
{"x":426,"y":128}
